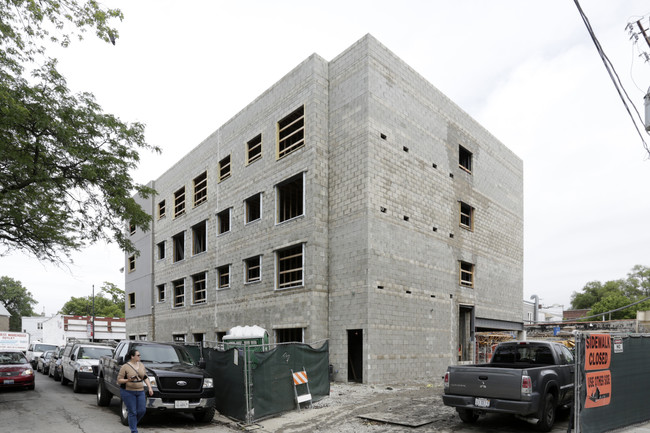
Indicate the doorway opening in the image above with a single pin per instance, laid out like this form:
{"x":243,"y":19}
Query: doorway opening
{"x":465,"y":333}
{"x":355,"y":355}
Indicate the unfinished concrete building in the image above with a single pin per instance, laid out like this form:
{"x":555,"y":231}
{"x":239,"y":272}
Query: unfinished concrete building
{"x":351,"y":201}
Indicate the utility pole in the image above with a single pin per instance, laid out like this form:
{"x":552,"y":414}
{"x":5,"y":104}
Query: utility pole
{"x":645,"y":35}
{"x":92,"y":323}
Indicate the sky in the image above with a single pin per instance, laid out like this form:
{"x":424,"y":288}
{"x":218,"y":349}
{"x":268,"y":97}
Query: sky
{"x":525,"y":70}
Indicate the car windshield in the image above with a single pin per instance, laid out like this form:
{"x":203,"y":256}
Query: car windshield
{"x":12,"y":358}
{"x":163,"y":354}
{"x":43,"y":347}
{"x":94,"y":352}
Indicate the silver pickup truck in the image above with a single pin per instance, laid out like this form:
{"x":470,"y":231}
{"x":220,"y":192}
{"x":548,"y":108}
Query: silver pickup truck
{"x":530,"y":379}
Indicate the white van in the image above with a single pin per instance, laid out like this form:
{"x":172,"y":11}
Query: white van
{"x":35,"y":350}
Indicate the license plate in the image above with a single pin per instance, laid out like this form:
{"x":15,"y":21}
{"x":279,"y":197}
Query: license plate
{"x":482,"y":402}
{"x":181,"y":404}
{"x":9,"y":382}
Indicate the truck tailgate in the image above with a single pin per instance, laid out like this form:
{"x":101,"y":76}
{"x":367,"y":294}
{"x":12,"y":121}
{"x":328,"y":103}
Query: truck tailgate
{"x":503,"y":383}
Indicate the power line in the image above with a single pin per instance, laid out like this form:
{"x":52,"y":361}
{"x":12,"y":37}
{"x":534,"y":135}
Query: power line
{"x":625,"y":98}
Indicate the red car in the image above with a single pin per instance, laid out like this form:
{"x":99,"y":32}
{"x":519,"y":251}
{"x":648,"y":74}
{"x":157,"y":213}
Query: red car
{"x":15,"y":370}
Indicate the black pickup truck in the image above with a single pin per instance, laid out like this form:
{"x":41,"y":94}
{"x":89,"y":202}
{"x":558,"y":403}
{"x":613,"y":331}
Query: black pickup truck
{"x":530,"y":379}
{"x":178,"y":383}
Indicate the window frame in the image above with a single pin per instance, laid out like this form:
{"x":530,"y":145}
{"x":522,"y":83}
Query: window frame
{"x":254,"y":144}
{"x":247,"y":208}
{"x":220,"y":274}
{"x":465,"y":159}
{"x":220,"y":216}
{"x":161,"y":250}
{"x":200,"y":279}
{"x":466,"y":269}
{"x":175,"y":255}
{"x":225,"y":168}
{"x":176,"y":296}
{"x":292,"y":251}
{"x":289,"y":126}
{"x":179,"y":202}
{"x":466,"y":214}
{"x":200,"y":185}
{"x":280,"y":200}
{"x":161,"y":209}
{"x":199,"y":228}
{"x":287,"y":338}
{"x":248,"y":268}
{"x":161,"y":289}
{"x":131,"y":300}
{"x":132,"y":263}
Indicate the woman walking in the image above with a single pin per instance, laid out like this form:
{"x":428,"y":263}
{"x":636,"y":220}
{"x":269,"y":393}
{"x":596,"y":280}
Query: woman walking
{"x":132,"y":378}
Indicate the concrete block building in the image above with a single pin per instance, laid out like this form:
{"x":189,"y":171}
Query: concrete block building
{"x":351,"y":201}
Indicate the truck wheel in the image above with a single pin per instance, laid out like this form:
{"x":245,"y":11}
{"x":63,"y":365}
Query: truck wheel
{"x":467,"y":415}
{"x":103,"y":395}
{"x":547,"y":414}
{"x":124,"y":414}
{"x":205,"y":416}
{"x":76,"y":388}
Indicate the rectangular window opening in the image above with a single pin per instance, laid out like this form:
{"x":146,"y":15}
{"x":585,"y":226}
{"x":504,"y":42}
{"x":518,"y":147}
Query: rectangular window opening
{"x":179,"y":202}
{"x":223,"y":221}
{"x":466,"y":274}
{"x":199,"y":238}
{"x":199,"y":294}
{"x":254,"y":149}
{"x":179,"y":246}
{"x":291,"y":132}
{"x":161,"y":209}
{"x":289,"y":335}
{"x":290,"y":267}
{"x":290,"y":198}
{"x":464,"y":159}
{"x":224,"y":168}
{"x":201,"y":188}
{"x":254,"y":208}
{"x":179,"y":293}
{"x":223,"y":277}
{"x":131,"y":263}
{"x":160,"y":289}
{"x":253,"y":269}
{"x":161,"y":250}
{"x":466,"y":216}
{"x":131,"y":300}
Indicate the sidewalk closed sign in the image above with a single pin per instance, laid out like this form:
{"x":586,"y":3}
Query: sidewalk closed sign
{"x":598,"y":355}
{"x":598,"y":350}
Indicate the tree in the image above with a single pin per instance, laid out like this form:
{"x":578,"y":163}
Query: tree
{"x":104,"y":307}
{"x":17,"y":300}
{"x":64,"y":163}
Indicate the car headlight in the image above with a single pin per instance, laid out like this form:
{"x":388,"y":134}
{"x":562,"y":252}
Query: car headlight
{"x":208,"y":382}
{"x":27,"y":372}
{"x":85,"y":369}
{"x":152,"y":381}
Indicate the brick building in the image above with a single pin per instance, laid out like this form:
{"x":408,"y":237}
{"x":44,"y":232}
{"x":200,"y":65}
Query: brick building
{"x":351,"y":201}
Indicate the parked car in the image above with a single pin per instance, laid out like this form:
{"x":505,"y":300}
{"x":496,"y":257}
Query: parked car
{"x":15,"y":370}
{"x":35,"y":350}
{"x":55,"y":364}
{"x":43,"y":363}
{"x":179,"y":384}
{"x":79,"y":364}
{"x":526,"y":378}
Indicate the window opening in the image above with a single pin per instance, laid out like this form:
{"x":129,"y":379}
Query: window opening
{"x":254,"y":208}
{"x":466,"y":274}
{"x":466,"y":216}
{"x":179,"y":202}
{"x":178,"y":338}
{"x":253,"y":269}
{"x":254,"y":149}
{"x":290,"y":198}
{"x":131,"y":263}
{"x":199,"y":238}
{"x":161,"y":209}
{"x":161,"y":292}
{"x":131,"y":229}
{"x":223,"y":221}
{"x":223,"y":277}
{"x":224,"y":168}
{"x":290,"y":267}
{"x":161,"y":250}
{"x":199,"y":293}
{"x":132,"y":300}
{"x":201,"y":188}
{"x":465,"y":159}
{"x":179,"y":246}
{"x":289,"y":335}
{"x":291,"y":132}
{"x":179,"y":293}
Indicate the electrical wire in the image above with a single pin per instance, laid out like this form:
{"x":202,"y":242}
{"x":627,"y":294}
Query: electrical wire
{"x":613,"y":76}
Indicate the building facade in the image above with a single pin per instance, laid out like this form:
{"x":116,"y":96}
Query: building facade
{"x":352,"y":201}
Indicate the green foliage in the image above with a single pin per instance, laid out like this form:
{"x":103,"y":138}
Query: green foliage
{"x":602,"y":298}
{"x":17,"y":300}
{"x":104,"y":307}
{"x":64,"y":163}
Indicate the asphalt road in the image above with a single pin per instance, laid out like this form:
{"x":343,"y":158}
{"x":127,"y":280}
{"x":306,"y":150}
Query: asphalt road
{"x":52,"y":407}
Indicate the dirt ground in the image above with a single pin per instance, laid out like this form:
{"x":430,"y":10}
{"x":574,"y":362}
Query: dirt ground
{"x":358,"y":408}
